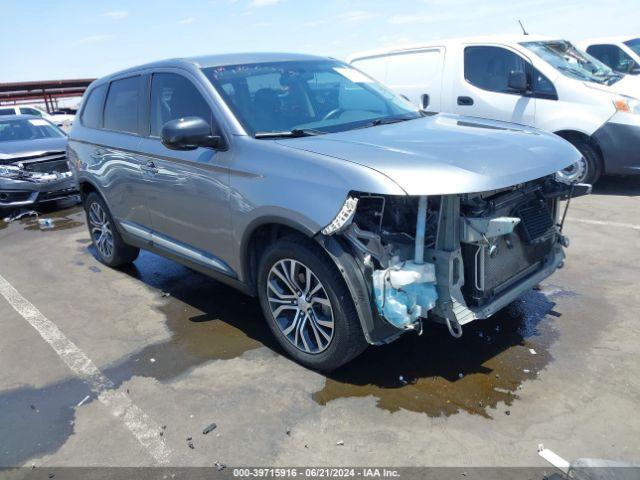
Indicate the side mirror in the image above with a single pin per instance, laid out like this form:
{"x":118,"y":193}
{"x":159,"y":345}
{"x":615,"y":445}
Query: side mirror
{"x":189,"y":133}
{"x":424,"y":101}
{"x":518,"y":81}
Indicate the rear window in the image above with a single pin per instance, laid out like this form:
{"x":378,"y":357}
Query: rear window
{"x":92,"y":112}
{"x":121,"y":107}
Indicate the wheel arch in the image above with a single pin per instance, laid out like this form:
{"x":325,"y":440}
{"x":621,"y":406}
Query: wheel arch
{"x":573,"y":136}
{"x":257,"y":237}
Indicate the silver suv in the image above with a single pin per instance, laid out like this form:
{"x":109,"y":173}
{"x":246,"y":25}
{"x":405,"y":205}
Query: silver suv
{"x":351,"y":214}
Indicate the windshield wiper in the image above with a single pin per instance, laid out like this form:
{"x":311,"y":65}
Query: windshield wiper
{"x":385,"y":121}
{"x":295,"y":133}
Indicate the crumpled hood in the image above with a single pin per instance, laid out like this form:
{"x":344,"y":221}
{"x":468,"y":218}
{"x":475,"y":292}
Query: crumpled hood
{"x":446,"y":154}
{"x":629,"y":86}
{"x":14,"y":151}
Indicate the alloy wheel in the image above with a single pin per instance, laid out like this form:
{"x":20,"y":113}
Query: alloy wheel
{"x":300,"y":306}
{"x":100,"y":230}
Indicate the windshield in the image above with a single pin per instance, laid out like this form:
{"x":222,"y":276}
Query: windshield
{"x":573,"y":63}
{"x":315,"y":96}
{"x":27,"y":129}
{"x":634,"y":45}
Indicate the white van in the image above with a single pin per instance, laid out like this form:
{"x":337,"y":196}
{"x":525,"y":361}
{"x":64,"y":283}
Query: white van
{"x":621,"y":54}
{"x":525,"y":79}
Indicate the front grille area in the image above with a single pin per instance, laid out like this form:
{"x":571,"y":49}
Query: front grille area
{"x":11,"y":196}
{"x":58,"y":165}
{"x":487,"y":277}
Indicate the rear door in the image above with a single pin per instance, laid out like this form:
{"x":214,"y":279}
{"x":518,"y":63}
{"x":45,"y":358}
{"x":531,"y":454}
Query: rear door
{"x":189,"y":194}
{"x":111,"y":139}
{"x":481,"y":87}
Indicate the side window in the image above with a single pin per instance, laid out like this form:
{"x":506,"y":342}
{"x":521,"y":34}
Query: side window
{"x":30,"y":111}
{"x":92,"y":111}
{"x":7,"y":111}
{"x":489,"y":67}
{"x":174,"y":96}
{"x":542,"y":86}
{"x":613,"y":57}
{"x":121,"y":108}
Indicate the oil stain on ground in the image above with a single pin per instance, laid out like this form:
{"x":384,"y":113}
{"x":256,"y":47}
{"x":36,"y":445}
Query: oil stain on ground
{"x":439,"y":375}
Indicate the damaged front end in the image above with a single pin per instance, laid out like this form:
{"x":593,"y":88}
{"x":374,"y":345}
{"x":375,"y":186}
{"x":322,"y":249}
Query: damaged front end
{"x":35,"y":180}
{"x":451,"y":258}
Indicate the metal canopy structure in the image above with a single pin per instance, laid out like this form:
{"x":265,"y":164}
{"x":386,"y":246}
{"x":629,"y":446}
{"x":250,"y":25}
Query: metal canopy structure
{"x":48,"y":91}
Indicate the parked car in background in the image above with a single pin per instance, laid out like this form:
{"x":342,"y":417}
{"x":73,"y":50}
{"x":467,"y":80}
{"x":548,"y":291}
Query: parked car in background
{"x":538,"y":81}
{"x":59,"y":118}
{"x":353,"y":216}
{"x":621,"y":54}
{"x":33,"y":162}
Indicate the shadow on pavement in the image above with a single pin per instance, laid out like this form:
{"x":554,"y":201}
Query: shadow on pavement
{"x":625,"y":186}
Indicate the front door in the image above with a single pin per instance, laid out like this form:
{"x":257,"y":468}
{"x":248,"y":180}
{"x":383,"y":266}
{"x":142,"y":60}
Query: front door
{"x":482,"y":86}
{"x":188,"y":199}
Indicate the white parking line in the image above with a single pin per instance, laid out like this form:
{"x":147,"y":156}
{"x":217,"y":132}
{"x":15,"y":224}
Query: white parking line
{"x":606,"y":224}
{"x":139,"y":423}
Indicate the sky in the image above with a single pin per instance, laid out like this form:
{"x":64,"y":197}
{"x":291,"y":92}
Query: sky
{"x":62,"y":39}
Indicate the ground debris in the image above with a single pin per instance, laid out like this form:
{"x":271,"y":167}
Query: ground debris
{"x":209,"y":428}
{"x":340,"y":442}
{"x":219,"y":466}
{"x":46,"y":223}
{"x":165,"y":294}
{"x":82,"y":402}
{"x":19,"y":215}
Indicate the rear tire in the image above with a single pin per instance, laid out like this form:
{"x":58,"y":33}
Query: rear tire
{"x":318,"y":326}
{"x":109,"y":245}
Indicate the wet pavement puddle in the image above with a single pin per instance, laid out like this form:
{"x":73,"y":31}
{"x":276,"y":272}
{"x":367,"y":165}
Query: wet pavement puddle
{"x":439,"y":375}
{"x":69,"y":217}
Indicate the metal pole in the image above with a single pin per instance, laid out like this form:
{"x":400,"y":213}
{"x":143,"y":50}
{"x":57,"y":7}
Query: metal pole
{"x":420,"y":229}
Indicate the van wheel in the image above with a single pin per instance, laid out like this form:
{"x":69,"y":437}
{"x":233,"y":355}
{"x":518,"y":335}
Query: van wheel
{"x":110,"y":248}
{"x":308,"y":305}
{"x":588,"y":169}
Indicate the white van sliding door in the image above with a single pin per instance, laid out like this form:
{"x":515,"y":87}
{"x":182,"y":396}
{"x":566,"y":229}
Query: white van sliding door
{"x":415,"y":74}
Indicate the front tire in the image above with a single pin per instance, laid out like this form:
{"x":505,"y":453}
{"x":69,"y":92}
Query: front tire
{"x":110,"y":248}
{"x":308,"y":306}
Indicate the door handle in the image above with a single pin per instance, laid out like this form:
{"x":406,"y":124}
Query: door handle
{"x":149,"y":167}
{"x":465,"y":101}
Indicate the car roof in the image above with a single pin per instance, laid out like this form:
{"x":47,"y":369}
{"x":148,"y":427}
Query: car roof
{"x":506,"y":39}
{"x":612,"y":39}
{"x":219,"y":60}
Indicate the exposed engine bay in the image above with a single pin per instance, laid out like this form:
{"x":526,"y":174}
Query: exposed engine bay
{"x":455,"y":258}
